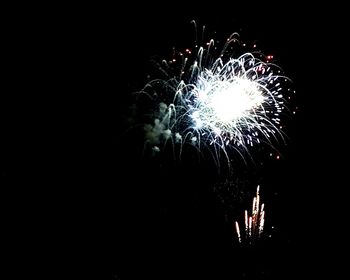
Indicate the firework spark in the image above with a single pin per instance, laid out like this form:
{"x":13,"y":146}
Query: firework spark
{"x":218,"y":102}
{"x":254,"y":224}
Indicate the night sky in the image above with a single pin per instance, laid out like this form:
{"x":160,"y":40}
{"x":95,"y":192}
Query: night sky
{"x":155,"y":218}
{"x":165,"y":221}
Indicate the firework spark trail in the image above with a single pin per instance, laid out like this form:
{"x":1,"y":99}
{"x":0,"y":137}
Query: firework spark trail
{"x":238,"y":232}
{"x":218,"y":102}
{"x":254,"y":225}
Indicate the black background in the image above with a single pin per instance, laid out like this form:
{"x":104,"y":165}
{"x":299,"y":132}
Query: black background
{"x":114,"y":214}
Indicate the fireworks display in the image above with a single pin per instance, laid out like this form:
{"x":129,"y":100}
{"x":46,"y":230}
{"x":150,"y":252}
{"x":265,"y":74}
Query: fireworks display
{"x":254,"y":224}
{"x":217,"y":101}
{"x":222,"y":100}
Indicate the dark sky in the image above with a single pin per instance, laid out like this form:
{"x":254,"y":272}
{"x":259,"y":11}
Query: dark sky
{"x":164,"y":221}
{"x":145,"y":219}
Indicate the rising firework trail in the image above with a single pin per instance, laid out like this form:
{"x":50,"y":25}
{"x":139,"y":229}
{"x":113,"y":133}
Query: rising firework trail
{"x":254,"y":224}
{"x":217,"y":100}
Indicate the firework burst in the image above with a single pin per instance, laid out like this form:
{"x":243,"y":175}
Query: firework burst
{"x":217,"y":101}
{"x":254,"y":224}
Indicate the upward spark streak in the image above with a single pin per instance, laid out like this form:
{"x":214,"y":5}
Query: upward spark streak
{"x":254,"y":225}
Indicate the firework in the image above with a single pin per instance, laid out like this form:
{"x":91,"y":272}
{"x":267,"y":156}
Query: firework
{"x":217,"y":101}
{"x":254,"y":224}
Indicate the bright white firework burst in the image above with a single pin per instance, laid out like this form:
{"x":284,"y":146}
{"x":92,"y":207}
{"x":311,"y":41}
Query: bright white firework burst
{"x":221,"y":102}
